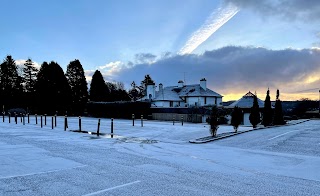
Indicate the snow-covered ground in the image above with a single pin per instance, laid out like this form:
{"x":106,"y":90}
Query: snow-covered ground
{"x":157,"y":159}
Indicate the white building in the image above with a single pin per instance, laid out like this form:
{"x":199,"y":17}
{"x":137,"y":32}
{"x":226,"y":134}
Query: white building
{"x":182,"y":95}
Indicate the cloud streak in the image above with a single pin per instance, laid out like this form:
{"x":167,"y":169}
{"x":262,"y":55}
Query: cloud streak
{"x":215,"y":21}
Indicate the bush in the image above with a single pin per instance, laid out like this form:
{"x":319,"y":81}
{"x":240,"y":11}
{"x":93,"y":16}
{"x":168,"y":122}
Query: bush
{"x":236,"y":118}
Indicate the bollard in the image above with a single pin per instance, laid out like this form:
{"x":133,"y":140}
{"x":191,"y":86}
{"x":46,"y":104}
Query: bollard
{"x":28,"y":118}
{"x":111,"y":127}
{"x":55,"y":120}
{"x":79,"y":123}
{"x":9,"y":117}
{"x":98,"y":129}
{"x":182,"y":120}
{"x":173,"y":120}
{"x":132,"y":119}
{"x":21,"y":117}
{"x":3,"y":116}
{"x":15,"y":118}
{"x":45,"y":119}
{"x":52,"y":122}
{"x":41,"y":121}
{"x":65,"y":122}
{"x":36,"y":118}
{"x":141,"y":120}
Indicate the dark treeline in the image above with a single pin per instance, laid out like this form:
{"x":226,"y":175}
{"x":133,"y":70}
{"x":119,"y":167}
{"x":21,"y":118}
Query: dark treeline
{"x":49,"y":90}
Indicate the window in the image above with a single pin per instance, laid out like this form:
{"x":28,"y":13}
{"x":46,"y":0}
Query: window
{"x":205,"y":100}
{"x":171,"y":103}
{"x":215,"y":100}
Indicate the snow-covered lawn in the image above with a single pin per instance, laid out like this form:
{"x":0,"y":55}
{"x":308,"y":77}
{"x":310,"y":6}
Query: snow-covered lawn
{"x":157,"y":159}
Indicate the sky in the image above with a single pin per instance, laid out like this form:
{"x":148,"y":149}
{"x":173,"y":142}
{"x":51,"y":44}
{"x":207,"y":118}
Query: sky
{"x":237,"y":45}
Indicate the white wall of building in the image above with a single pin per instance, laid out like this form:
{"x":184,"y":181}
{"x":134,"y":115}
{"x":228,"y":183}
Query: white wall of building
{"x":201,"y":101}
{"x":246,"y":120}
{"x":167,"y":104}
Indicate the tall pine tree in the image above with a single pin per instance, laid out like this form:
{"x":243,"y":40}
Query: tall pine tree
{"x":29,"y":79}
{"x":10,"y":84}
{"x":53,"y":90}
{"x":98,"y":88}
{"x":78,"y":84}
{"x":278,"y":114}
{"x":267,"y":111}
{"x":255,"y":114}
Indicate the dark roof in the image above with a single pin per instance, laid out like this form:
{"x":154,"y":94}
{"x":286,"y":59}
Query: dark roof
{"x":246,"y":101}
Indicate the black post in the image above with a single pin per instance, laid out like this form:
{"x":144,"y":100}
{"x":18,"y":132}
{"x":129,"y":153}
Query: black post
{"x":141,"y":120}
{"x":36,"y":118}
{"x":23,"y":119}
{"x":41,"y":121}
{"x":98,"y":130}
{"x":9,"y":117}
{"x":45,"y":119}
{"x":132,"y":119}
{"x":52,"y":122}
{"x":15,"y":118}
{"x":3,"y":116}
{"x":111,"y":127}
{"x":173,"y":120}
{"x":65,"y":122}
{"x":55,"y":120}
{"x":28,"y":118}
{"x":182,"y":120}
{"x":79,"y":123}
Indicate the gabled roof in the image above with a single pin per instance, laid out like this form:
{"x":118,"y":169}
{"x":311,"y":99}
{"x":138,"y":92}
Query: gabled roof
{"x":175,"y":93}
{"x":195,"y":90}
{"x":246,"y":102}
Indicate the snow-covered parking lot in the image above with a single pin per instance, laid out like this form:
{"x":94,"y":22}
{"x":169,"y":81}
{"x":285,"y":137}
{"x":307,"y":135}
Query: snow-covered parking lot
{"x":157,"y":159}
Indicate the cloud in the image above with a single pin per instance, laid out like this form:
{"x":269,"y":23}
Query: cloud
{"x":216,"y":20}
{"x":305,"y":10}
{"x":147,"y":58}
{"x":235,"y":70}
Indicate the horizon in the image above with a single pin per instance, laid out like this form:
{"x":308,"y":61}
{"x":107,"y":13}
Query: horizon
{"x":238,"y":46}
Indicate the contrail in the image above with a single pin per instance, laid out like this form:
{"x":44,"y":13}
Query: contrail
{"x":218,"y":18}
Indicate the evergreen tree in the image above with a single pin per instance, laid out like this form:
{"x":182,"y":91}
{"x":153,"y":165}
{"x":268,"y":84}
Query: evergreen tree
{"x":78,"y":84}
{"x":98,"y":88}
{"x":255,"y":115}
{"x":29,"y":74}
{"x":236,"y":118}
{"x":267,"y":111}
{"x":134,"y":92}
{"x":52,"y":88}
{"x":214,"y":120}
{"x":278,"y":114}
{"x":10,"y":83}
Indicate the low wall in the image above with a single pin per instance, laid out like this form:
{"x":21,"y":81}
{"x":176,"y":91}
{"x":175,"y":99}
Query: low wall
{"x":195,"y":118}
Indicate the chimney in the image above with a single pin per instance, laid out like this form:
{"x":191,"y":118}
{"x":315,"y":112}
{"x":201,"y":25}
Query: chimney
{"x":203,"y":84}
{"x":180,"y":83}
{"x":160,"y":87}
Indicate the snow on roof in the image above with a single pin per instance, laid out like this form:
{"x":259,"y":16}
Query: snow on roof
{"x":174,"y":93}
{"x":246,"y":102}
